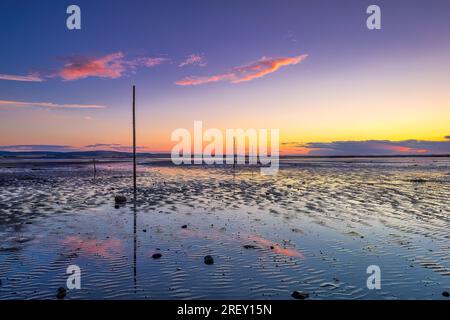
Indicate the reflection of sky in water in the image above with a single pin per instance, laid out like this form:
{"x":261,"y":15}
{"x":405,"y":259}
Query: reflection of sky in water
{"x":93,"y":247}
{"x":311,"y":228}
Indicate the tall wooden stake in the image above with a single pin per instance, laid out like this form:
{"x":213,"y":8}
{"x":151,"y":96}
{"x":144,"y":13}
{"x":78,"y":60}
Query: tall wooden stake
{"x":134,"y":138}
{"x":234,"y":152}
{"x":135,"y":191}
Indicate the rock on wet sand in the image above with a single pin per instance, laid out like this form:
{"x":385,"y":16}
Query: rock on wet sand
{"x":156,"y":255}
{"x":250,"y":246}
{"x":61,"y":293}
{"x":209,"y":259}
{"x":299,"y":295}
{"x":120,"y":199}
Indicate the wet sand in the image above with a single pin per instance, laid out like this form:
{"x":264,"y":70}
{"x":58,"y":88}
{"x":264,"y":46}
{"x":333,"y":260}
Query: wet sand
{"x":314,"y":227}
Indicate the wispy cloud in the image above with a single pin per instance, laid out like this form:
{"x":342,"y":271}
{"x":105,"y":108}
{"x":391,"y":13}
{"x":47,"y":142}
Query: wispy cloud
{"x":112,"y":147}
{"x":37,"y":147}
{"x":33,"y":77}
{"x":111,"y":66}
{"x":65,"y":148}
{"x":193,"y":60}
{"x":12,"y":103}
{"x":291,"y":37}
{"x":253,"y":70}
{"x":148,"y":62}
{"x":372,"y":147}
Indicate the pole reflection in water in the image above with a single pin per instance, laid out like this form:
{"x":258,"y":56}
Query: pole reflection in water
{"x":134,"y":241}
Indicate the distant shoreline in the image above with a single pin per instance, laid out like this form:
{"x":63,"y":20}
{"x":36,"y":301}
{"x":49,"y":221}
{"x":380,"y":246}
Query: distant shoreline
{"x":40,"y":159}
{"x":123,"y":155}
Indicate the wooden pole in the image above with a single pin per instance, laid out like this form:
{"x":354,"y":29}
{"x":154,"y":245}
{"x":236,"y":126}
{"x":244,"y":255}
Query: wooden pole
{"x":234,"y":152}
{"x":134,"y":138}
{"x":135,"y":190}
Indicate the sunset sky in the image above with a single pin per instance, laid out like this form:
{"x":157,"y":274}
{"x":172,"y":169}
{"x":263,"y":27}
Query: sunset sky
{"x":310,"y":68}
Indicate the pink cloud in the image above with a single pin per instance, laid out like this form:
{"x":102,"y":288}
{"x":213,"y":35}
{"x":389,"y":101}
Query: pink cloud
{"x":400,"y":149}
{"x":33,"y":77}
{"x":193,"y":81}
{"x":193,"y":59}
{"x":253,"y":70}
{"x":110,"y":66}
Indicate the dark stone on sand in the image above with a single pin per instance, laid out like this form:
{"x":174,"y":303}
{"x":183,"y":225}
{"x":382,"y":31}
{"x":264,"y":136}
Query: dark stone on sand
{"x":156,"y":255}
{"x":446,"y":294}
{"x":272,"y":247}
{"x":120,"y":199}
{"x":61,"y":293}
{"x":117,"y":206}
{"x":418,"y":180}
{"x":299,"y":295}
{"x":250,"y":246}
{"x":0,"y":282}
{"x":144,"y":230}
{"x":209,"y":260}
{"x":184,"y":226}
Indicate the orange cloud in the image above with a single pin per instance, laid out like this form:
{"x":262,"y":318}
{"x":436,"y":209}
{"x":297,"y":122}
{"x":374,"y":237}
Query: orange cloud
{"x":253,"y":70}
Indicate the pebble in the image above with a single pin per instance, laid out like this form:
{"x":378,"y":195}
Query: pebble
{"x":209,"y":260}
{"x":156,"y":255}
{"x":184,"y":226}
{"x":446,"y":294}
{"x":299,"y":295}
{"x":120,"y":199}
{"x":61,"y":293}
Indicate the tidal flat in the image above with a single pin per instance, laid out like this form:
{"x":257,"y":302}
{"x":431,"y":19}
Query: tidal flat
{"x":314,"y":227}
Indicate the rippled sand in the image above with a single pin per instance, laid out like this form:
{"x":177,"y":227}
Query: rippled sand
{"x":314,"y":227}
